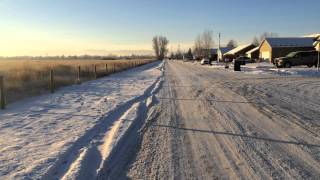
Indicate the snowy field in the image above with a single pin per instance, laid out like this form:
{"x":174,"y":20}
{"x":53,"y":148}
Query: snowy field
{"x":70,"y":134}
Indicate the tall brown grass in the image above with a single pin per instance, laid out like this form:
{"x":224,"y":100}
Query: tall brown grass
{"x":25,"y":78}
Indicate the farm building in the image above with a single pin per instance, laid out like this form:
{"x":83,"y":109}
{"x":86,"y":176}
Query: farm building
{"x":221,"y":51}
{"x":253,"y":53}
{"x":272,"y":48}
{"x":238,"y":51}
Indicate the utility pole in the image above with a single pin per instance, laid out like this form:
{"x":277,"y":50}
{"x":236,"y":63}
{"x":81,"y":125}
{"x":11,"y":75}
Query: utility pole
{"x":219,"y":46}
{"x":318,"y":56}
{"x":219,"y":40}
{"x":318,"y":44}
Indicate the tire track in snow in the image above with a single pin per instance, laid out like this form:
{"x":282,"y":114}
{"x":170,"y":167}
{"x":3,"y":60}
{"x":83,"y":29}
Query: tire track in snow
{"x":85,"y":158}
{"x":250,"y":143}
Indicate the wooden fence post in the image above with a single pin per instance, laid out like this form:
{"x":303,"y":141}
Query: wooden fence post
{"x":106,"y":69}
{"x":79,"y":75}
{"x":2,"y":98}
{"x":95,"y":72}
{"x":114,"y":68}
{"x":51,"y":81}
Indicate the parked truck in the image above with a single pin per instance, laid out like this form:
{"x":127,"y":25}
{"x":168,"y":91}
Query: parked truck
{"x":299,"y":58}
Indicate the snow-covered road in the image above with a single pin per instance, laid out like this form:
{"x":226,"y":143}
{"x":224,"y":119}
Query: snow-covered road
{"x":217,"y":124}
{"x":193,"y":122}
{"x":68,"y":135}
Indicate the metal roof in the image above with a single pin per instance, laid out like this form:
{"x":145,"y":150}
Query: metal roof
{"x":224,"y":49}
{"x":290,"y":42}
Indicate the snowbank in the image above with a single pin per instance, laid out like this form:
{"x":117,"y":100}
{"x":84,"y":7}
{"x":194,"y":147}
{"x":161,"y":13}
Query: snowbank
{"x":267,"y":68}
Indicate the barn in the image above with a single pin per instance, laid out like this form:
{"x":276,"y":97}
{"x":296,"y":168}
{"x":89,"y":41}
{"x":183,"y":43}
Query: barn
{"x":253,"y":54}
{"x":272,"y":48}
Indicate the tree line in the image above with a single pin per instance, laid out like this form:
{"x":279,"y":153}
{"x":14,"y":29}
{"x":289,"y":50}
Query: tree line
{"x":203,"y":45}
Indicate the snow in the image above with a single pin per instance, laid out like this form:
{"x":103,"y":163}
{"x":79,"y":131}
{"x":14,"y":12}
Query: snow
{"x":290,"y":41}
{"x":316,"y":35}
{"x":239,"y":48}
{"x":267,"y":68}
{"x":69,"y":134}
{"x":216,"y":124}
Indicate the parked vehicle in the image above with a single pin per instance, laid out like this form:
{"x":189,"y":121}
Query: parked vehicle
{"x":205,"y":61}
{"x":308,"y":58}
{"x":244,"y":60}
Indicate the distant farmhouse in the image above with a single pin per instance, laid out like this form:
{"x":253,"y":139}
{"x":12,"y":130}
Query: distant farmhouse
{"x":238,"y":51}
{"x":253,"y":53}
{"x":271,"y":48}
{"x":221,"y":51}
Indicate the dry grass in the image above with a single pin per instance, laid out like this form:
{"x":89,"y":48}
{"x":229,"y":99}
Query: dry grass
{"x":25,"y":78}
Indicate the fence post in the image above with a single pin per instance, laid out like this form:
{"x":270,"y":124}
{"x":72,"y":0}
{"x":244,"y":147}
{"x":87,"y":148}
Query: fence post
{"x":114,"y":67}
{"x":79,"y":74}
{"x":106,"y":69}
{"x":51,"y":81}
{"x":95,"y":72}
{"x":2,"y":98}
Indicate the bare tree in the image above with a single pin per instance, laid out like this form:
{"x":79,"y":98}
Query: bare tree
{"x":156,"y":47}
{"x":207,"y":41}
{"x":255,"y":41}
{"x":232,"y":44}
{"x":198,"y":46}
{"x":203,"y":43}
{"x":160,"y":46}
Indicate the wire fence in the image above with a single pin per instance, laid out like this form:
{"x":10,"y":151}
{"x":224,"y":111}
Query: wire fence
{"x":24,"y":83}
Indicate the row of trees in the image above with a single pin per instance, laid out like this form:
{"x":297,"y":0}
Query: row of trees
{"x":203,"y":44}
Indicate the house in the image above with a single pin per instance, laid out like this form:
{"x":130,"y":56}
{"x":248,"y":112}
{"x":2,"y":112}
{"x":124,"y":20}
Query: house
{"x":253,"y":53}
{"x":238,"y":51}
{"x":272,"y":48}
{"x":317,"y":44}
{"x":221,"y":51}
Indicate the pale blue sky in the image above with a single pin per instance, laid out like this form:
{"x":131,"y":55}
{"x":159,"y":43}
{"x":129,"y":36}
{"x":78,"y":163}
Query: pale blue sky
{"x":30,"y":27}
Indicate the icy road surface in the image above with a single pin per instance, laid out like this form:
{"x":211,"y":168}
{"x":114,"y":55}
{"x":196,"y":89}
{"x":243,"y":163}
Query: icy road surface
{"x":217,"y":124}
{"x":68,"y":135}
